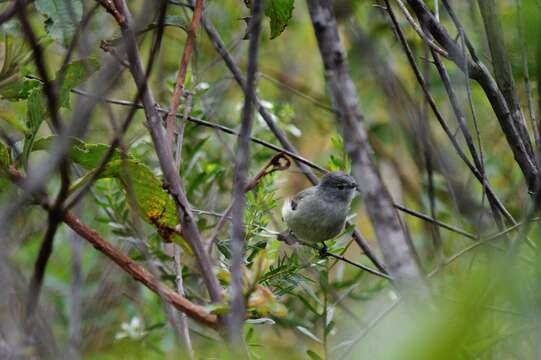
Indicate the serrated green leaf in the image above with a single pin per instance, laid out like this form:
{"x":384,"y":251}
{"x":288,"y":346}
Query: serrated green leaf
{"x":279,"y":12}
{"x":61,"y":17}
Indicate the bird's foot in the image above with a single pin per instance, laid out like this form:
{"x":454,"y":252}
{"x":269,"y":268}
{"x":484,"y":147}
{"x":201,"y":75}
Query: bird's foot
{"x":323,"y":251}
{"x":288,"y":237}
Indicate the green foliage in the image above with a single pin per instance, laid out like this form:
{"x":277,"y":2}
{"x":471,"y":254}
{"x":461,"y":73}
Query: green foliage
{"x":5,"y":156}
{"x":5,"y":161}
{"x":15,"y":55}
{"x":61,"y":18}
{"x":484,"y":296}
{"x":89,"y":156}
{"x":18,"y":90}
{"x":313,"y":355}
{"x":36,"y":112}
{"x":339,"y":160}
{"x":75,"y":74}
{"x":279,"y":13}
{"x":153,"y":202}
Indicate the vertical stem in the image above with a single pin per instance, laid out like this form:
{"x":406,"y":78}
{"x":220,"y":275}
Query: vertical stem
{"x":183,"y":320}
{"x":242,"y":161}
{"x":502,"y":67}
{"x":524,"y":56}
{"x":425,"y":128}
{"x":76,"y":283}
{"x":178,"y":91}
{"x":323,"y":283}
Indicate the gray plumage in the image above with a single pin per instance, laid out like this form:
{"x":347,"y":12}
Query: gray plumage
{"x":318,"y":213}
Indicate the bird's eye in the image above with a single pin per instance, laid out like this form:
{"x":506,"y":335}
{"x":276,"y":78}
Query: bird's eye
{"x":340,"y":187}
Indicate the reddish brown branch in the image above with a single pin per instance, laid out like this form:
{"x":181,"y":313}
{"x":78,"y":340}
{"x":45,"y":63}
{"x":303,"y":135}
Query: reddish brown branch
{"x":178,"y":91}
{"x":137,"y":272}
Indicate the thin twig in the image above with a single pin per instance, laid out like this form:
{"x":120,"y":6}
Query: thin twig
{"x":513,"y":130}
{"x":184,"y":328}
{"x":419,"y":31}
{"x":178,"y":90}
{"x":12,"y":10}
{"x":438,"y":114}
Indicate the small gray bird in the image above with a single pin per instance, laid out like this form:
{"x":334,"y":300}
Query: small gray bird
{"x":318,"y":213}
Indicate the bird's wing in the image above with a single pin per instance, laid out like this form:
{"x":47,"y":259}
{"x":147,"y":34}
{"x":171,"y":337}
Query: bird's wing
{"x":298,"y":198}
{"x":293,"y":204}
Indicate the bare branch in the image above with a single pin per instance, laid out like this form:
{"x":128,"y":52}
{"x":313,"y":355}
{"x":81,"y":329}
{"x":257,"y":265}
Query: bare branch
{"x":440,"y":118}
{"x":194,"y":311}
{"x":476,"y":70}
{"x":44,"y":254}
{"x":502,"y":67}
{"x":242,"y":164}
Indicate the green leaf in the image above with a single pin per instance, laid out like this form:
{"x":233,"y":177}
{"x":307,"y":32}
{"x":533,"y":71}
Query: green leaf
{"x":61,"y":18}
{"x":5,"y":156}
{"x":11,"y":118}
{"x":35,"y":114}
{"x":217,"y":308}
{"x":154,"y":204}
{"x":74,"y":75}
{"x":15,"y":54}
{"x":5,"y":161}
{"x":279,"y":12}
{"x":313,"y":355}
{"x":87,"y":155}
{"x":308,"y":333}
{"x":19,"y":89}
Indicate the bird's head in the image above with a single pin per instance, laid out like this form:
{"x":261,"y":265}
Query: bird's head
{"x":338,"y":185}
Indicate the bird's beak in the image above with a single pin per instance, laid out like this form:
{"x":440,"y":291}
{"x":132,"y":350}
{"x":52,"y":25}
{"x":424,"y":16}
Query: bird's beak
{"x":357,"y":188}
